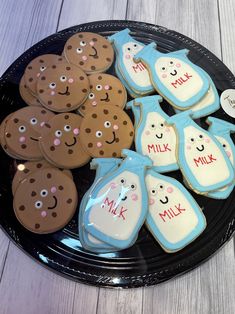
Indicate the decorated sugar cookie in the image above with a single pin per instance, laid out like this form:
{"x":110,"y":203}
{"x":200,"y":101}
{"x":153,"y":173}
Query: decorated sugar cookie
{"x":118,"y":205}
{"x":136,"y":111}
{"x":135,"y":74}
{"x":153,"y":138}
{"x":174,"y":76}
{"x":23,"y":130}
{"x":104,"y":89}
{"x":208,"y":104}
{"x":89,"y":51}
{"x":61,"y":145}
{"x":26,"y":95}
{"x":62,"y":87}
{"x":105,"y":131}
{"x":45,"y":201}
{"x":221,"y":130}
{"x":36,"y":67}
{"x":203,"y":162}
{"x":174,"y":217}
{"x":102,"y":166}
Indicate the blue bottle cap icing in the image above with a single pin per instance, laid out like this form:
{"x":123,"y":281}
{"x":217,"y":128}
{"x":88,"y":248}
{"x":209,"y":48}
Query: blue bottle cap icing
{"x":174,"y":217}
{"x":220,"y":127}
{"x":136,"y":111}
{"x":135,"y":74}
{"x":201,"y":159}
{"x":153,"y":138}
{"x":174,"y":76}
{"x":118,"y":204}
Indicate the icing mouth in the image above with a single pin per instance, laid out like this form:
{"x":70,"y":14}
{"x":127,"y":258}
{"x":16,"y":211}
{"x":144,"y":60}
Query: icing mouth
{"x":114,"y":138}
{"x":67,"y":93}
{"x":173,"y":73}
{"x":74,"y":142}
{"x":166,"y":200}
{"x":94,"y":55}
{"x":33,"y":139}
{"x":200,"y":149}
{"x":159,"y":136}
{"x":55,"y":204}
{"x":106,"y":98}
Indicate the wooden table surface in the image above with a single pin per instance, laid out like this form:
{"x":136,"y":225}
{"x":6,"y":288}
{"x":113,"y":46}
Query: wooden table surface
{"x":27,"y":287}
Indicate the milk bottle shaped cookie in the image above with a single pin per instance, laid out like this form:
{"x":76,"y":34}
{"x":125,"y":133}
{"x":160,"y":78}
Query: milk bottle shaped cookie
{"x":102,"y":166}
{"x":174,"y":76}
{"x":222,"y":130}
{"x":174,"y":217}
{"x":203,"y":162}
{"x":134,"y":74}
{"x":153,"y":138}
{"x":118,"y":205}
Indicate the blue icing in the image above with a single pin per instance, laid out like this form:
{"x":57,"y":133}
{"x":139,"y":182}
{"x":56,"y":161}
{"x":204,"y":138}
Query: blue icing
{"x":204,"y":164}
{"x":135,"y":74}
{"x":174,"y":76}
{"x":174,"y":217}
{"x":136,"y":111}
{"x":117,"y":206}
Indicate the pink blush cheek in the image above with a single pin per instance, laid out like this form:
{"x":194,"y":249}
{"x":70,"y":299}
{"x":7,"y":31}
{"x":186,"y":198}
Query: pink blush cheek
{"x":52,"y":93}
{"x":207,"y":140}
{"x":94,"y":103}
{"x":228,"y":153}
{"x":178,"y":65}
{"x":164,"y":75}
{"x":127,"y":56}
{"x":170,"y":189}
{"x":38,"y":74}
{"x":151,"y":201}
{"x":43,"y":213}
{"x":99,"y":144}
{"x":53,"y":189}
{"x":70,"y":80}
{"x":84,"y":58}
{"x":113,"y":185}
{"x":115,"y":127}
{"x":56,"y":142}
{"x":22,"y":139}
{"x":168,"y":129}
{"x":42,"y":124}
{"x":134,"y":197}
{"x":106,"y":87}
{"x":92,"y":43}
{"x":188,"y":147}
{"x":76,"y":131}
{"x":147,"y":132}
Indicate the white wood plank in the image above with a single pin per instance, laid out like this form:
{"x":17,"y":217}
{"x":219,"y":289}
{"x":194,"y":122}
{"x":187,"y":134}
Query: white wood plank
{"x":29,"y":288}
{"x":85,"y":299}
{"x":76,"y":12}
{"x":4,"y":244}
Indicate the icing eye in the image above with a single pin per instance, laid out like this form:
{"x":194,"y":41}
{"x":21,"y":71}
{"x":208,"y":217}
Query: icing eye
{"x":122,"y":181}
{"x":135,"y":45}
{"x":91,"y":96}
{"x":153,"y":126}
{"x":38,"y":204}
{"x":129,"y":49}
{"x":98,"y":87}
{"x":107,"y":124}
{"x":161,"y":125}
{"x":52,"y":85}
{"x":58,"y":133}
{"x":171,"y":63}
{"x":200,"y":136}
{"x":163,"y":69}
{"x":82,"y":43}
{"x":44,"y":193}
{"x":133,"y":186}
{"x":79,"y":50}
{"x":98,"y":133}
{"x":33,"y":121}
{"x":153,"y":192}
{"x":42,"y":68}
{"x":160,"y":187}
{"x":192,"y":140}
{"x":224,"y":145}
{"x":67,"y":128}
{"x":63,"y":78}
{"x":22,"y":129}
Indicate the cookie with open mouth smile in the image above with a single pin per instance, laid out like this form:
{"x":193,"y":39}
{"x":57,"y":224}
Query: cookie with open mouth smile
{"x":45,"y":201}
{"x":61,"y":144}
{"x":105,"y":131}
{"x":104,"y":89}
{"x":90,"y":51}
{"x":23,"y":129}
{"x":62,"y":87}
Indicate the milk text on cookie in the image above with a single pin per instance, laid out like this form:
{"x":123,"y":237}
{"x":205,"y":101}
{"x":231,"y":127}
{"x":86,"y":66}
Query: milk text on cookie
{"x":172,"y":212}
{"x":181,"y":80}
{"x":204,"y":160}
{"x":138,"y":67}
{"x":114,"y":209}
{"x":158,"y":148}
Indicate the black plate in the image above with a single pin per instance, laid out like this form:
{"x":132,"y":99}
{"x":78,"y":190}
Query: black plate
{"x":145,"y":263}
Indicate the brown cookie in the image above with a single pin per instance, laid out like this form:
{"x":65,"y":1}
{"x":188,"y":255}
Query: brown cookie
{"x":35,"y":68}
{"x":104,"y":89}
{"x":28,"y":98}
{"x":90,"y":51}
{"x":45,"y":201}
{"x":63,"y":87}
{"x":27,"y":168}
{"x":105,"y":131}
{"x":61,"y":145}
{"x":23,"y":129}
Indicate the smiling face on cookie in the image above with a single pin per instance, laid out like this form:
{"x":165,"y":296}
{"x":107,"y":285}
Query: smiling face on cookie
{"x":89,"y":51}
{"x":23,"y":130}
{"x":45,"y":201}
{"x":61,"y":144}
{"x":197,"y":142}
{"x":104,"y":89}
{"x":130,"y":49}
{"x":105,"y":131}
{"x":63,"y":87}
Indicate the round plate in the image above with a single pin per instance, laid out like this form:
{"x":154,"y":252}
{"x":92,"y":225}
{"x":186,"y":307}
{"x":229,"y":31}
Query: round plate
{"x":145,"y":263}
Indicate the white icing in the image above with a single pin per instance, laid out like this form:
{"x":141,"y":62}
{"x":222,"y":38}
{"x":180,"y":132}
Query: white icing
{"x":121,"y":223}
{"x":161,"y":151}
{"x":137,"y":71}
{"x":205,"y":169}
{"x":228,"y":148}
{"x":206,"y":101}
{"x":183,"y":91}
{"x":94,"y":240}
{"x":174,"y":224}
